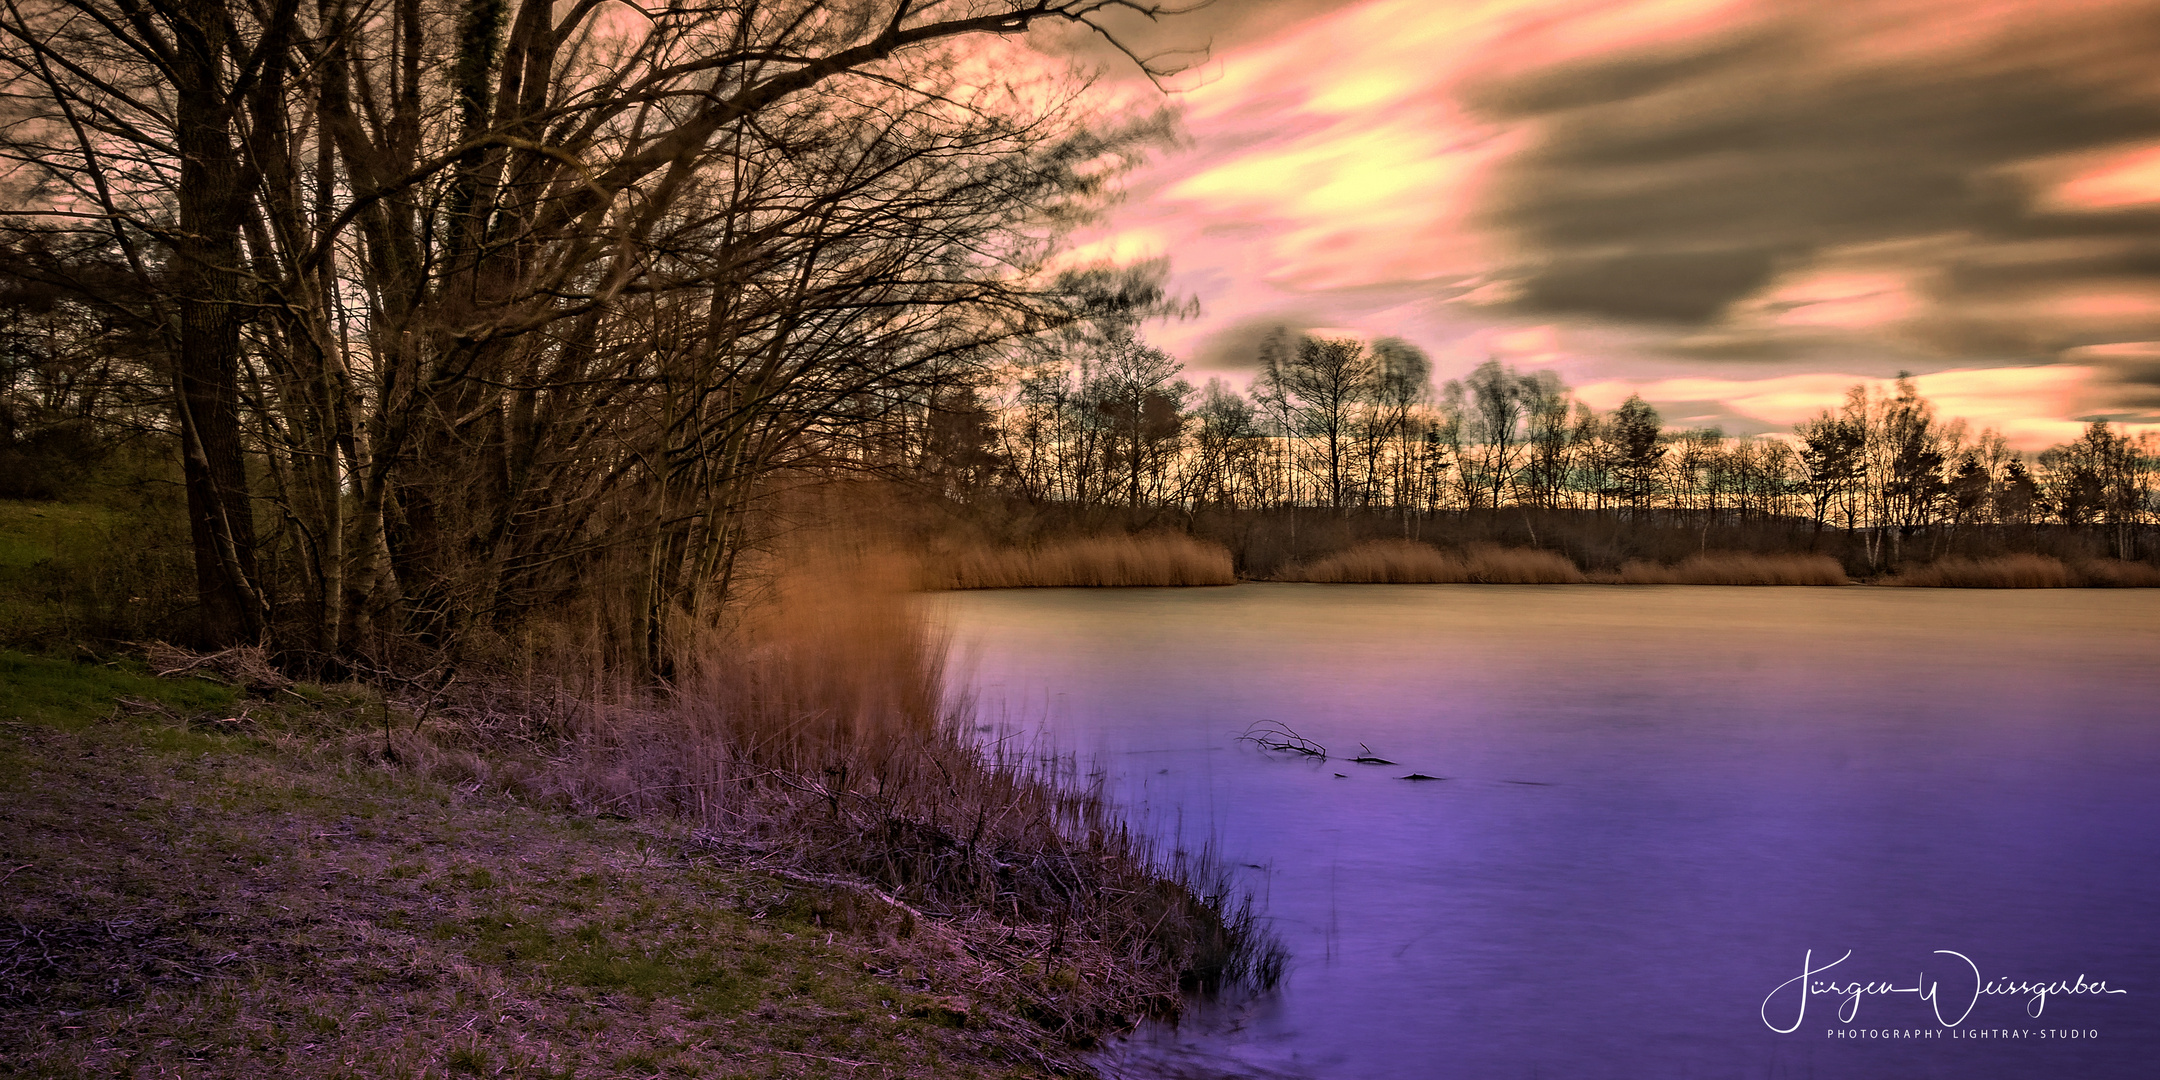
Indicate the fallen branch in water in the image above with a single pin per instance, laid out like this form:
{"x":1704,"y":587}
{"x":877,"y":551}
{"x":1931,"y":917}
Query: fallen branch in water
{"x":1370,"y":758}
{"x":1277,"y":737}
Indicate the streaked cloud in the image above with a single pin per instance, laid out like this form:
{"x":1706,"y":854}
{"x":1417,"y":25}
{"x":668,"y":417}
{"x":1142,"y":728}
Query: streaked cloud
{"x":1752,"y":190}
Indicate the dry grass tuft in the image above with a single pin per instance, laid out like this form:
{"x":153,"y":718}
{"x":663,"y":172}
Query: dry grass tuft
{"x":1153,"y":559}
{"x":1736,"y":568}
{"x":245,"y":666}
{"x":2002,"y":572}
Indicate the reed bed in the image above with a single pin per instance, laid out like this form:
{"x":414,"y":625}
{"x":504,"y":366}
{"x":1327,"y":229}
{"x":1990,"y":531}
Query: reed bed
{"x":2001,"y":572}
{"x":1734,"y":568}
{"x":1384,"y":562}
{"x":1521,"y":566}
{"x":1408,"y":562}
{"x":2029,"y":572}
{"x":1154,"y":559}
{"x":2118,"y":574}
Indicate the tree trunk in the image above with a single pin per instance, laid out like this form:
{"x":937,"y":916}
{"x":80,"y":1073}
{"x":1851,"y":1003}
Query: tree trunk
{"x":208,"y":288}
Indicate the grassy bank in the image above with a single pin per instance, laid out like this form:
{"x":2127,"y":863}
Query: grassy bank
{"x":200,"y":882}
{"x":790,"y":859}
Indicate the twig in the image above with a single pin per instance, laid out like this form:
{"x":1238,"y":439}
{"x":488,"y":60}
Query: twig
{"x":830,"y":882}
{"x":1273,"y":735}
{"x":821,"y":1057}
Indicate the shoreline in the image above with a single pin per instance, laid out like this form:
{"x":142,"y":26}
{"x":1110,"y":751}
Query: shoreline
{"x":219,"y":883}
{"x":1175,"y":560}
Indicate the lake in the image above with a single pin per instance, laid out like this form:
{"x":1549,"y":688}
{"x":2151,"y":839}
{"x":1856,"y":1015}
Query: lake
{"x":1662,"y":805}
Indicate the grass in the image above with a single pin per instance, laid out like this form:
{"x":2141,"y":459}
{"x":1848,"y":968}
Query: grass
{"x":2118,"y":574}
{"x":73,"y":694}
{"x":192,"y":893}
{"x":77,"y":571}
{"x":793,"y":861}
{"x":1154,"y":559}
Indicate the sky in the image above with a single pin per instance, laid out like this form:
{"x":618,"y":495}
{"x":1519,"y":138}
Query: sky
{"x":1737,"y":208}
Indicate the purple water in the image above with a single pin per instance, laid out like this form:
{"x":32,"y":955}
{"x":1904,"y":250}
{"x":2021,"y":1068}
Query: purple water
{"x":1658,"y":801}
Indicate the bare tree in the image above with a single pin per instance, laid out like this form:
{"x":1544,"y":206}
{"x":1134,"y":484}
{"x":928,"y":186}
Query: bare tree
{"x":1139,"y":393}
{"x":1548,"y":410}
{"x":1492,"y":404}
{"x":464,"y":277}
{"x":1320,"y":386}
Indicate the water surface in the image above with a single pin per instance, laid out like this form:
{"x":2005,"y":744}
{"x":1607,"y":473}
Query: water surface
{"x":1658,"y":801}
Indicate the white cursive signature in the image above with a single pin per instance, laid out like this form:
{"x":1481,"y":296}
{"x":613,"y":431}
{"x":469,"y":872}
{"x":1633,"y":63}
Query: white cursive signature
{"x":1808,"y":986}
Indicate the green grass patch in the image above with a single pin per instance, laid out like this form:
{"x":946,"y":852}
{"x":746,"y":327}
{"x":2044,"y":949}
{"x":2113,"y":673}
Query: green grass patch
{"x":36,"y":532}
{"x":72,"y":571}
{"x":71,"y":694}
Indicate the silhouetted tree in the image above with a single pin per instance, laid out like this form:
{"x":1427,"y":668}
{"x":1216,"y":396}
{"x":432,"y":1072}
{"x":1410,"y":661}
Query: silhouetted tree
{"x":1319,"y":386}
{"x":1637,"y":452}
{"x":1830,"y":445}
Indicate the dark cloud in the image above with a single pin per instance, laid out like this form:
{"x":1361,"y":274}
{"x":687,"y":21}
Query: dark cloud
{"x":1675,"y":286}
{"x":1669,"y":183}
{"x":1236,"y":347}
{"x":2129,"y":390}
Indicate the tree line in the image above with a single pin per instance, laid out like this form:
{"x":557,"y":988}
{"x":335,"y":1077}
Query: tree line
{"x":1347,"y":425}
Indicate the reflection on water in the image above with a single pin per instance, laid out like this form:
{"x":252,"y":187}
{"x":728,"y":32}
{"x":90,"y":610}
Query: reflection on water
{"x":1658,"y":801}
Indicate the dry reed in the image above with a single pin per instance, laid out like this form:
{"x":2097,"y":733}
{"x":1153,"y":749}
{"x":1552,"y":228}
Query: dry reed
{"x":2001,"y":572}
{"x":1408,"y":562}
{"x":814,"y":740}
{"x":1153,"y":559}
{"x":1384,"y":562}
{"x":1735,"y":568}
{"x":2029,"y":572}
{"x":1521,"y":566}
{"x":2118,"y":574}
